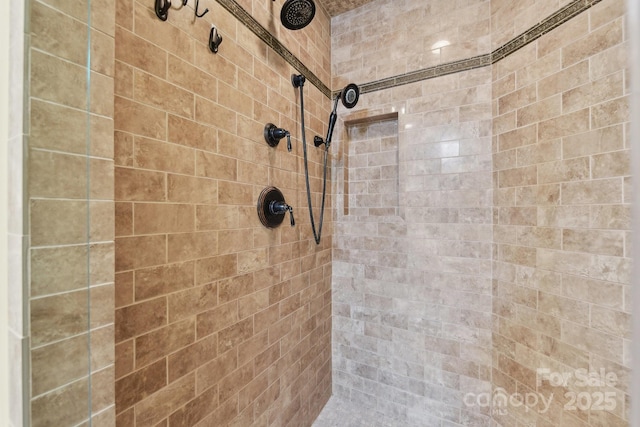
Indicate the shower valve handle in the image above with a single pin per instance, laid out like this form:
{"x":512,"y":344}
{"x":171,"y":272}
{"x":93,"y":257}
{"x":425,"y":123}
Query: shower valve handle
{"x":279,"y":208}
{"x":290,"y":209}
{"x":273,"y":135}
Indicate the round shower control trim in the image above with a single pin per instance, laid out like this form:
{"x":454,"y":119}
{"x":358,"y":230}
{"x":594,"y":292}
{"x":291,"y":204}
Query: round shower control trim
{"x":272,"y":208}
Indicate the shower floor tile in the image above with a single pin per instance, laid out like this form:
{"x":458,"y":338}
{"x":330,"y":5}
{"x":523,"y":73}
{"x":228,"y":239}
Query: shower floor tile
{"x":340,"y":413}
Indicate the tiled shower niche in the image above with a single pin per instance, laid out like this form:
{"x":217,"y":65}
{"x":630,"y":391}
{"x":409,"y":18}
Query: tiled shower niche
{"x":370,"y":157}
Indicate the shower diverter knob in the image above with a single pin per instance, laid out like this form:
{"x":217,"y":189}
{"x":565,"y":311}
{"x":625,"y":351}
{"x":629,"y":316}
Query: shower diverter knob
{"x":273,"y":135}
{"x":272,"y":207}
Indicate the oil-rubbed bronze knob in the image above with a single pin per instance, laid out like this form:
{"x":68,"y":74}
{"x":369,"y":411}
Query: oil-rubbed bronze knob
{"x":273,"y":135}
{"x":272,"y":207}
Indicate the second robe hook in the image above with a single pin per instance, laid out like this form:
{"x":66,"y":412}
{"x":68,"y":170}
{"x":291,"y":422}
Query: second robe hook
{"x":162,"y":9}
{"x":215,"y":39}
{"x":198,"y":15}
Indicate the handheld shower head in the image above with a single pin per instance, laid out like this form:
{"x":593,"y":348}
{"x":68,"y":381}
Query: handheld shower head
{"x":297,"y":14}
{"x":350,"y":95}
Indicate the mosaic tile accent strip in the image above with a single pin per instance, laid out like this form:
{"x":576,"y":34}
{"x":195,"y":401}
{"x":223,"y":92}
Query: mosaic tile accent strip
{"x":243,"y":16}
{"x":563,"y":15}
{"x":560,"y":17}
{"x":571,"y":10}
{"x":428,"y":73}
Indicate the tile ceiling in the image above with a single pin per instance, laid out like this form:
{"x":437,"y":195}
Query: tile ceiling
{"x":336,"y":7}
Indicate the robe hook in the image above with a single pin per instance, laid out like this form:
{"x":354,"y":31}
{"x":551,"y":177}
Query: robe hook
{"x":201,"y":14}
{"x":198,"y":15}
{"x":162,"y":9}
{"x":215,"y":39}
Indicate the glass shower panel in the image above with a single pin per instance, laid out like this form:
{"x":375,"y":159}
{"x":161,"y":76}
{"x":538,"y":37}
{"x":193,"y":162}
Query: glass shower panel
{"x":69,"y":211}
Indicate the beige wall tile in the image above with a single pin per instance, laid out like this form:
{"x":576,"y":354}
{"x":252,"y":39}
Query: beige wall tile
{"x":575,"y":29}
{"x":213,"y":114}
{"x":577,"y":169}
{"x":101,"y":305}
{"x":611,"y":321}
{"x":600,"y":39}
{"x":103,"y":17}
{"x":567,"y":78}
{"x":214,"y":166}
{"x":101,"y":181}
{"x":191,"y":78}
{"x":101,"y":222}
{"x":133,"y":388}
{"x":608,"y":61}
{"x":139,"y":185}
{"x":140,"y":251}
{"x":593,"y":142}
{"x":611,"y":164}
{"x":518,"y":137}
{"x":61,"y":405}
{"x":102,"y":395}
{"x":162,"y":342}
{"x":58,"y":269}
{"x":123,"y":79}
{"x":58,"y":34}
{"x":57,"y":317}
{"x":102,"y":134}
{"x":70,"y":87}
{"x":140,"y":318}
{"x":123,"y":149}
{"x":565,"y":125}
{"x":67,"y":369}
{"x":156,"y":155}
{"x":101,"y":95}
{"x":215,"y":268}
{"x":155,"y":92}
{"x":55,"y":222}
{"x":136,"y":51}
{"x":518,"y":177}
{"x":192,"y":301}
{"x":151,"y":29}
{"x":584,"y":338}
{"x":134,"y":117}
{"x":602,"y":191}
{"x":186,"y":189}
{"x":601,"y":90}
{"x":539,"y":111}
{"x":102,"y":347}
{"x":191,"y":134}
{"x":611,"y":216}
{"x":157,"y":407}
{"x":610,"y":112}
{"x":57,"y":127}
{"x":153,"y":218}
{"x":156,"y":281}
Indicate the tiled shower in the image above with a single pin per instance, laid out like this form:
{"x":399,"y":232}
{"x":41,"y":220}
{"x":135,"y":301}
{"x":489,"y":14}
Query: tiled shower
{"x":476,"y":244}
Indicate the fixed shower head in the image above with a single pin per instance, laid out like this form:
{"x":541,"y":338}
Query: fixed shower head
{"x":350,"y":95}
{"x":297,"y":14}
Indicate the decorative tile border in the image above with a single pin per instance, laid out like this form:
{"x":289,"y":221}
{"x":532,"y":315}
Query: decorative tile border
{"x":571,"y":10}
{"x":560,"y":17}
{"x":428,"y":73}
